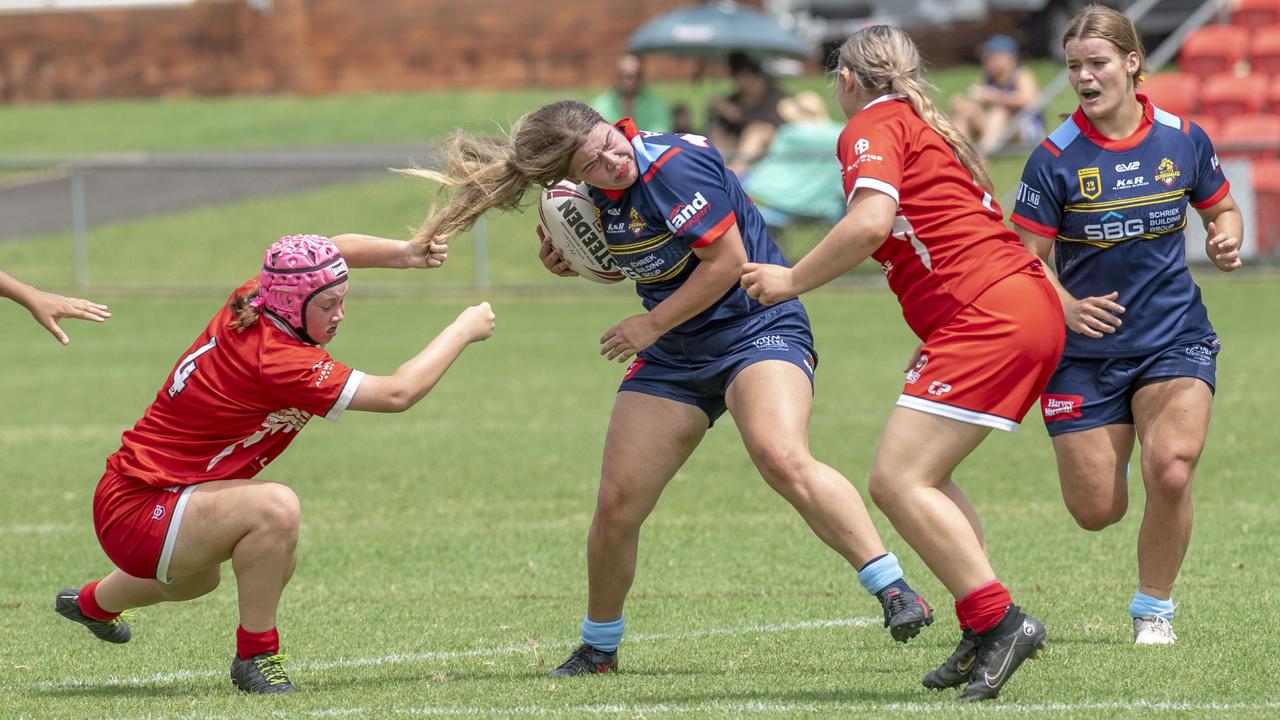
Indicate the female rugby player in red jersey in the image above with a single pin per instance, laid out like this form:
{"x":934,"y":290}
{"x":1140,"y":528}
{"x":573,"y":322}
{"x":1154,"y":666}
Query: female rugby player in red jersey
{"x":920,"y":203}
{"x":179,"y":497}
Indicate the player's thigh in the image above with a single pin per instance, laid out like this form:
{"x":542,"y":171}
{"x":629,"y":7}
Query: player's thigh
{"x":1093,"y":463}
{"x":1172,"y":419}
{"x":649,"y":438}
{"x":920,"y":447}
{"x":771,"y":402}
{"x":220,"y":513}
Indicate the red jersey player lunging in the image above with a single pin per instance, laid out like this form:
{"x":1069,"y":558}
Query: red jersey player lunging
{"x":178,"y":498}
{"x":919,"y":202}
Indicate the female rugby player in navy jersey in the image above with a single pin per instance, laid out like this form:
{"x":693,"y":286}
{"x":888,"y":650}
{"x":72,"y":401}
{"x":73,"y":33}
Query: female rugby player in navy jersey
{"x":678,"y":224}
{"x":1107,"y":193}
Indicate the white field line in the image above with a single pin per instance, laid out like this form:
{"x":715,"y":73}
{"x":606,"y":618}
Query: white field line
{"x":739,"y":709}
{"x":852,"y":709}
{"x":409,"y":658}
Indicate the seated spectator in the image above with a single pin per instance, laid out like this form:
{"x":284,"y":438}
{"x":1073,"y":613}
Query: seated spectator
{"x":1005,"y":88}
{"x":799,"y":177}
{"x":630,"y":98}
{"x":681,"y":119}
{"x":742,"y":124}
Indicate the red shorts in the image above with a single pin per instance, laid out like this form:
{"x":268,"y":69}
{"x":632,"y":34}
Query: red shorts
{"x":137,"y":523}
{"x":989,"y":363}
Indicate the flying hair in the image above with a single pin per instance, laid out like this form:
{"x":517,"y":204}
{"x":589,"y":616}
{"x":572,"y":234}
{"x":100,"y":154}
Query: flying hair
{"x":482,"y":172}
{"x":883,"y":60}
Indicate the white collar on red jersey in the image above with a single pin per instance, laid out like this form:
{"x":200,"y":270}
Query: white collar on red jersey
{"x":884,"y":98}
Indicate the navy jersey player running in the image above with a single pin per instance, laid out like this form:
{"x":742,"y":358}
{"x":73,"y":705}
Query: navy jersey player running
{"x":679,"y":224}
{"x":1107,"y":193}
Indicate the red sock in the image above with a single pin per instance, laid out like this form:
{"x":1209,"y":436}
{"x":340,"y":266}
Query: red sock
{"x":983,"y":608}
{"x":88,"y":602}
{"x":249,"y":644}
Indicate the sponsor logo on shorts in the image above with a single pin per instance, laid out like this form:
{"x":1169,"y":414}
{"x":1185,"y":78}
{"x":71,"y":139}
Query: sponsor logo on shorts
{"x":913,"y":375}
{"x":1199,"y":354}
{"x":1060,"y":407}
{"x":808,"y":363}
{"x":939,"y":388}
{"x":770,"y":342}
{"x":157,"y":512}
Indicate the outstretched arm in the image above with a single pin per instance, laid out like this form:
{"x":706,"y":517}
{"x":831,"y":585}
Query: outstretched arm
{"x":852,"y":240}
{"x":414,"y":379}
{"x":48,"y":308}
{"x":370,"y":251}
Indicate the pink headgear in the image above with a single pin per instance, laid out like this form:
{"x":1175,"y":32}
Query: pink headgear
{"x":294,"y":269}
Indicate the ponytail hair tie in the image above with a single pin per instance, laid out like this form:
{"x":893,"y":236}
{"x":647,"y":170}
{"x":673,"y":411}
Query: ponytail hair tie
{"x":257,"y":302}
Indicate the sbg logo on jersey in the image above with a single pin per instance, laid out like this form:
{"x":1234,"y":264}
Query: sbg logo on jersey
{"x":683,"y":214}
{"x":1090,"y":182}
{"x":1114,"y":227}
{"x":1060,"y":407}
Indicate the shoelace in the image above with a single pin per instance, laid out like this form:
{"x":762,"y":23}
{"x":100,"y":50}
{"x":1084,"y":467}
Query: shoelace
{"x":1161,"y":626}
{"x":272,"y":669}
{"x":895,"y":603}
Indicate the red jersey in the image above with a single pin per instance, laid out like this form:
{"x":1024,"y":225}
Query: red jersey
{"x":948,"y":242}
{"x":233,"y":403}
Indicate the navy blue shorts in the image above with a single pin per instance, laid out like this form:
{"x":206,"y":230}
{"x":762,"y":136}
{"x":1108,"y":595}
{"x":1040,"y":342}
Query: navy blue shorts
{"x":701,"y":374}
{"x":1086,"y":393}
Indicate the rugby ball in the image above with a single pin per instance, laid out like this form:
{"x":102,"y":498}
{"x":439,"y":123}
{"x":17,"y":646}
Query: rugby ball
{"x":572,"y":225}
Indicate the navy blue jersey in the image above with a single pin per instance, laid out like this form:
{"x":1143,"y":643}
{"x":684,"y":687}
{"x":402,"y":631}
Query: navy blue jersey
{"x":1116,"y":210}
{"x":685,"y":198}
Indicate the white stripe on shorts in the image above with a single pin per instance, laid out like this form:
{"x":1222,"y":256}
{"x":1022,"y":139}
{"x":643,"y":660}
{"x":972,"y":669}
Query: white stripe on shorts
{"x":171,"y":537}
{"x":955,"y":413}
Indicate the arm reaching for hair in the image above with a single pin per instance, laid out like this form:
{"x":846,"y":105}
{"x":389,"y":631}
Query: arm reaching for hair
{"x":370,"y":251}
{"x":414,"y":379}
{"x":48,"y":308}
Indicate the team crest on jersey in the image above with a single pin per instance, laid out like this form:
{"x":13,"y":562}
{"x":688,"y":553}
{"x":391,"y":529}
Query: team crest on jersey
{"x":1090,"y":182}
{"x":1167,"y":172}
{"x":635,"y":223}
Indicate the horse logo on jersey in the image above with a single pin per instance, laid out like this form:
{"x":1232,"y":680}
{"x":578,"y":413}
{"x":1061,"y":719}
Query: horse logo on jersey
{"x":1090,"y":182}
{"x":1167,"y":172}
{"x":635,"y":223}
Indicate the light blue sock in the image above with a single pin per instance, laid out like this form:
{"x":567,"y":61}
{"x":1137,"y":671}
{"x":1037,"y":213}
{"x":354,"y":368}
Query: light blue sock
{"x":880,"y":573}
{"x":605,"y":636}
{"x":1144,"y":605}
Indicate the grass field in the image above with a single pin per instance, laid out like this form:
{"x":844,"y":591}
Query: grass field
{"x":441,"y":561}
{"x":442,"y":567}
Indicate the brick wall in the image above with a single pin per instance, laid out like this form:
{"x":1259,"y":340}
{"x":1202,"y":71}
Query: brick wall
{"x":318,"y":46}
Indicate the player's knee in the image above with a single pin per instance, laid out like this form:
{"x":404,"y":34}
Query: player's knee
{"x":192,"y":587}
{"x":278,"y":509}
{"x":1171,"y":476}
{"x":1095,"y":516}
{"x":616,"y":510}
{"x":783,"y":466}
{"x":883,"y":490}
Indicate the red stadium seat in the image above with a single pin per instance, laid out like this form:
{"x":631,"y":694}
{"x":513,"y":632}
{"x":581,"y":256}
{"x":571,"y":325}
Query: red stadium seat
{"x":1214,"y":49}
{"x":1253,"y":135}
{"x":1210,"y":125}
{"x":1178,"y":93}
{"x":1266,"y":214}
{"x":1264,"y":51}
{"x":1227,"y":95}
{"x":1253,"y":14}
{"x":1273,"y":95}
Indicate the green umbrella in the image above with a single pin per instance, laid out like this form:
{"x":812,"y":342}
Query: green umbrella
{"x":714,"y":30}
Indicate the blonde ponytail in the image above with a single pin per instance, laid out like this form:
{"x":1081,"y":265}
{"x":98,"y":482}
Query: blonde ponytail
{"x":483,"y":172}
{"x":883,"y":59}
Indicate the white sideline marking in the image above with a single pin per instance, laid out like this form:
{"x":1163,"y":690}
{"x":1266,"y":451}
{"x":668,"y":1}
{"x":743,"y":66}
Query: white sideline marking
{"x":407,"y":658}
{"x":42,"y":529}
{"x":946,"y":708}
